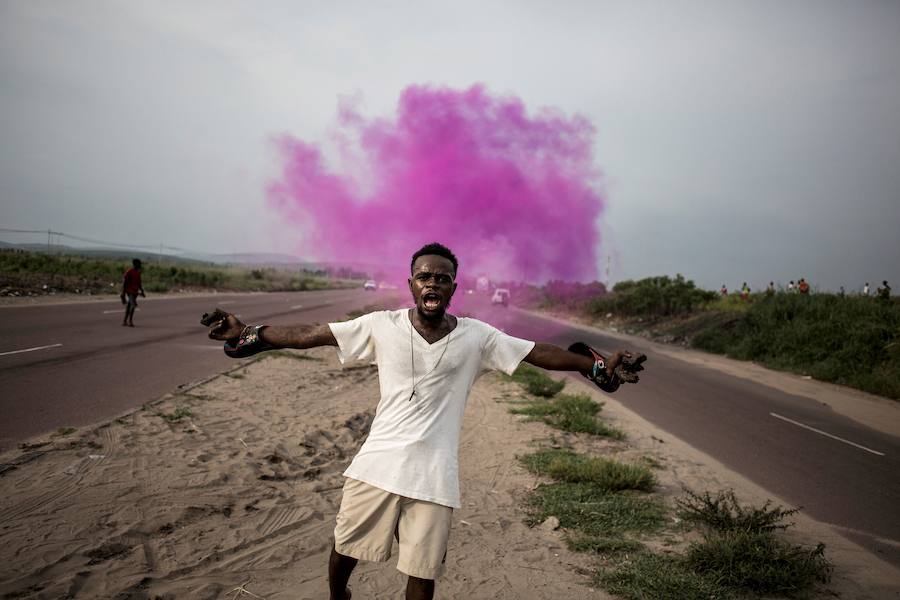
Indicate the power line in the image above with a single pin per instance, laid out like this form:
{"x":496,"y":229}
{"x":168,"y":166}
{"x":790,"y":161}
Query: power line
{"x":88,"y":240}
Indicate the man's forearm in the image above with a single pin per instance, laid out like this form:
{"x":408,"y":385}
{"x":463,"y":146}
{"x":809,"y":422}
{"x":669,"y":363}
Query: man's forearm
{"x":554,"y":358}
{"x":298,"y":336}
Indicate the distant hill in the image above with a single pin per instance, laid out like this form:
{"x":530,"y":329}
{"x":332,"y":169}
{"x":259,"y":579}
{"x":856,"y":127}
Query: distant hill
{"x":243,"y":259}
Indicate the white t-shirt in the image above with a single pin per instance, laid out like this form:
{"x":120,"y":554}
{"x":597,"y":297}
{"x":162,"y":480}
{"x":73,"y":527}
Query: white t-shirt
{"x":413,"y":444}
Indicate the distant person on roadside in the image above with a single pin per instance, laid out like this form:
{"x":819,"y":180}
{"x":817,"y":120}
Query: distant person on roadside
{"x":745,"y":292}
{"x":884,"y":292}
{"x":723,"y":290}
{"x":790,"y":288}
{"x":803,"y":287}
{"x":131,"y":287}
{"x":770,"y":291}
{"x":865,"y":291}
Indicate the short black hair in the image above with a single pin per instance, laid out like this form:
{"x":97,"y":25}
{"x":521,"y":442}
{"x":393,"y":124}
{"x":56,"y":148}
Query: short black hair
{"x":137,"y":263}
{"x":437,"y":250}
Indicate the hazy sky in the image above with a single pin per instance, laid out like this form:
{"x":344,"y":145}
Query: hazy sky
{"x":738,"y":140}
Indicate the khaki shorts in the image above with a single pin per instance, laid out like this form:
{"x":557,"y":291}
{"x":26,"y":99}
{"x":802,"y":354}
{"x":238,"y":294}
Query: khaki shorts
{"x":370,"y":518}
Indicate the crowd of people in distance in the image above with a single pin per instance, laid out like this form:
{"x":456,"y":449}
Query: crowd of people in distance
{"x":802,"y":287}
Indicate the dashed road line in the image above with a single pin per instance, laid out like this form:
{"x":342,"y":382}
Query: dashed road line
{"x":30,"y":349}
{"x":826,"y":434}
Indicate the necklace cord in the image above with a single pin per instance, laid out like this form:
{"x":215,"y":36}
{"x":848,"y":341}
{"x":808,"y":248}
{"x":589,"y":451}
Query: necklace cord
{"x":412,"y":359}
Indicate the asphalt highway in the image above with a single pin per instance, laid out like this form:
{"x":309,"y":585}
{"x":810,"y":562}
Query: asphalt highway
{"x":73,"y":365}
{"x":69,"y":365}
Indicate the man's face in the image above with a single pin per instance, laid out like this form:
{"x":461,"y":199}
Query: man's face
{"x":432,"y":285}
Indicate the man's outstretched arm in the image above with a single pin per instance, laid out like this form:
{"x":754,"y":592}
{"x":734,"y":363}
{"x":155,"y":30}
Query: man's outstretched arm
{"x":228,"y":328}
{"x":298,"y":336}
{"x":603,"y":371}
{"x":554,"y":358}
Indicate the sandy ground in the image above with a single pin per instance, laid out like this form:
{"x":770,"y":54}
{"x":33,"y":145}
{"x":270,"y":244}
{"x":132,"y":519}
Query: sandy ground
{"x":244,"y":492}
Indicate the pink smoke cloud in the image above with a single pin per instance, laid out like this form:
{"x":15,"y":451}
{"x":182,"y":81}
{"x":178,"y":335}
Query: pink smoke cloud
{"x":515,"y":196}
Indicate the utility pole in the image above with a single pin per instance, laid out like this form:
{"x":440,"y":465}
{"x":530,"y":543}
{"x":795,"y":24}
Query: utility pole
{"x":48,"y":241}
{"x":608,"y":260}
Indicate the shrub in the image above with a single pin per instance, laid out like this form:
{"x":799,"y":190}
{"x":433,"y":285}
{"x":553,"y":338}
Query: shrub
{"x":652,"y":297}
{"x":723,"y":513}
{"x":759,"y":562}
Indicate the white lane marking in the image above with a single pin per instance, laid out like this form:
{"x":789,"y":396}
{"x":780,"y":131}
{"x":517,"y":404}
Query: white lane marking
{"x":227,"y":302}
{"x":826,"y":434}
{"x":30,"y":349}
{"x":118,"y":310}
{"x":296,"y":306}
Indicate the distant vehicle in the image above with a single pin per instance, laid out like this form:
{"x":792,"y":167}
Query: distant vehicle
{"x":370,"y":285}
{"x":501,"y":296}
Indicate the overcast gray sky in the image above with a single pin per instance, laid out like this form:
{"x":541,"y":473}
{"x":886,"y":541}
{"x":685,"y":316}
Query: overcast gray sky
{"x":738,"y":140}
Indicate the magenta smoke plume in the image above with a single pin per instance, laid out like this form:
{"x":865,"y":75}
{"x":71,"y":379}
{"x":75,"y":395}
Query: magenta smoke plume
{"x":513,"y":195}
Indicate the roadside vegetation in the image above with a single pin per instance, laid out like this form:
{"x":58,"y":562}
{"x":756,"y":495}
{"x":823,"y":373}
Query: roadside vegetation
{"x":611,"y":509}
{"x":32,"y":273}
{"x":570,"y":412}
{"x":842,"y":339}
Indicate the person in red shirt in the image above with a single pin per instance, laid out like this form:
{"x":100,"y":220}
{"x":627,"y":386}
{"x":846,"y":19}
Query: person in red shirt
{"x":131,"y":287}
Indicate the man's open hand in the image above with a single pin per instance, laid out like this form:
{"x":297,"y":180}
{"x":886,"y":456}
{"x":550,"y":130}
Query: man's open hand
{"x":222,"y":325}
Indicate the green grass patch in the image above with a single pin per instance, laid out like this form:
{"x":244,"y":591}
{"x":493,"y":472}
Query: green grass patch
{"x":600,"y":473}
{"x":569,"y":412}
{"x":759,"y":562}
{"x":176,"y":415}
{"x":589,"y":510}
{"x":647,"y":576}
{"x":537,"y":382}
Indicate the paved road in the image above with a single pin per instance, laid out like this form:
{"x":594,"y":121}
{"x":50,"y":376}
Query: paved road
{"x":90,"y":368}
{"x":101,"y":369}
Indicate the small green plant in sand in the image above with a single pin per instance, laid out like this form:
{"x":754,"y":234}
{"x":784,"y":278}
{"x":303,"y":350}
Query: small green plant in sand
{"x":722,"y":512}
{"x":235,"y":375}
{"x":759,"y":562}
{"x":64,"y":431}
{"x":536,"y":381}
{"x":176,"y":415}
{"x":602,"y":473}
{"x":648,"y":576}
{"x":594,"y":500}
{"x":570,"y":412}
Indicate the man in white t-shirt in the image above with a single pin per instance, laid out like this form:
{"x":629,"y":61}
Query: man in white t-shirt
{"x":404,"y":482}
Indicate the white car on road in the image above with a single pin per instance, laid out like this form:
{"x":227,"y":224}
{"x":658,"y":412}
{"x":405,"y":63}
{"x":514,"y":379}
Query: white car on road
{"x":501,"y":296}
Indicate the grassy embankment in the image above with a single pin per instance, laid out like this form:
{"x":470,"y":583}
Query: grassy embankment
{"x":848,"y":340}
{"x":608,"y":508}
{"x":30,"y":274}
